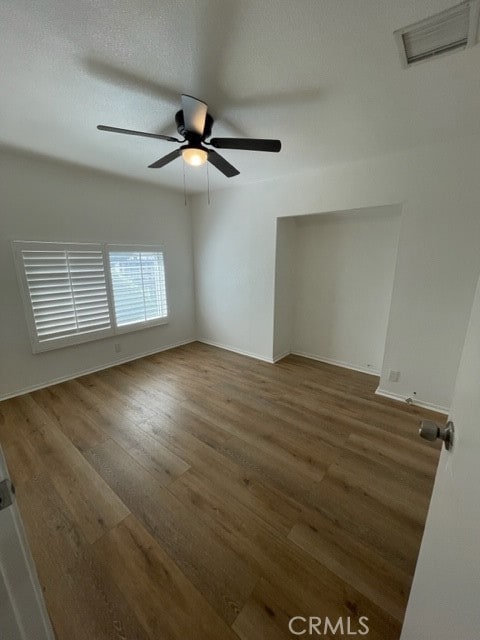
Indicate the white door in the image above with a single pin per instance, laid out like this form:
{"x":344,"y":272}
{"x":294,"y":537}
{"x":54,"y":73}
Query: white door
{"x":23,"y":615}
{"x":444,"y":601}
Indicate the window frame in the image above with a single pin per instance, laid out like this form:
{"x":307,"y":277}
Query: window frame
{"x":39,"y":346}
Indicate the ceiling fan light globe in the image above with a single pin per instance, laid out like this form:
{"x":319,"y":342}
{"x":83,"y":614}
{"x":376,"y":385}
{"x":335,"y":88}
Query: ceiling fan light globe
{"x":194,"y":157}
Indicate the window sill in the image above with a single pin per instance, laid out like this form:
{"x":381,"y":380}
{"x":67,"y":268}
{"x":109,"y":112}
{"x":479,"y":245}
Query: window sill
{"x":138,"y":326}
{"x":72,"y":341}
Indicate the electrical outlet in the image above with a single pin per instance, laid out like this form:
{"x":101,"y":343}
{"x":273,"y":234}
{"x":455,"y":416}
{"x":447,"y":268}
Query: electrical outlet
{"x":411,"y":399}
{"x":118,"y":347}
{"x":394,"y":376}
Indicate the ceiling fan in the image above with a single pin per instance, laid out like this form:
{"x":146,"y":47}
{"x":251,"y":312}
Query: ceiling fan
{"x":194,"y":123}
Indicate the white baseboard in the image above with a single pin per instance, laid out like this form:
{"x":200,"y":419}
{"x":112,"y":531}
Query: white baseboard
{"x":281,"y":356}
{"x":417,"y":403}
{"x":85,"y":372}
{"x":241,"y":352}
{"x":337,"y":363}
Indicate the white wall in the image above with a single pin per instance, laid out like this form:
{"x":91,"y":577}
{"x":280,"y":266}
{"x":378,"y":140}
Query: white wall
{"x":45,"y":200}
{"x":235,"y":252}
{"x":438,"y":256}
{"x":343,"y":272}
{"x":285,"y":276}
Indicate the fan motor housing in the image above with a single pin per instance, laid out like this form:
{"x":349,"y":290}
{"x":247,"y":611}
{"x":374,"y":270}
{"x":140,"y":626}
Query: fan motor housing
{"x":191,"y":136}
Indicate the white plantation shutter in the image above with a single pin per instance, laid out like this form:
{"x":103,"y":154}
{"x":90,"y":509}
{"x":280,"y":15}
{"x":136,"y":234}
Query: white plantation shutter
{"x":75,"y":293}
{"x":67,"y":291}
{"x":138,"y":284}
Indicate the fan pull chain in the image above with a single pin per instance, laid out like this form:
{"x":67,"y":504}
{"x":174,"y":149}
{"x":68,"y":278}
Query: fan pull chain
{"x":208,"y":185}
{"x":184,"y":184}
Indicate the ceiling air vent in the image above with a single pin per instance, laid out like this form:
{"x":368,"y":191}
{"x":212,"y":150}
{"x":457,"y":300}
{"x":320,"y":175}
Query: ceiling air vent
{"x":450,"y":30}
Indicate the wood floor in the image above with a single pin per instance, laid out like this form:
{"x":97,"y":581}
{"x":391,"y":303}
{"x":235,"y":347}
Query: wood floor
{"x":199,"y":494}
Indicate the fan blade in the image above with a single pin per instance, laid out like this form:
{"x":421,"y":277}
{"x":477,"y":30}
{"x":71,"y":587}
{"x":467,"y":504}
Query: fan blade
{"x":166,"y":159}
{"x":194,"y":114}
{"x":129,"y":132}
{"x":247,"y":144}
{"x":222,"y":165}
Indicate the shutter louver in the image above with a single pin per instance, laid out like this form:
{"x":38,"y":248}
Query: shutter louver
{"x":68,"y":292}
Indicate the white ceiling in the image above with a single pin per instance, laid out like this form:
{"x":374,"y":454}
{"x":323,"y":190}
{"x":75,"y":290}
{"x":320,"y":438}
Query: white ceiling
{"x":322,"y":75}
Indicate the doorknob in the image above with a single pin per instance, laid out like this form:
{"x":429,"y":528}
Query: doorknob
{"x":431,"y":431}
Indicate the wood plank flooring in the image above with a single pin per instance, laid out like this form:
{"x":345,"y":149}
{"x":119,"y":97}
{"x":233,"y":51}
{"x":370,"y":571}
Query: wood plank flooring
{"x":198,"y":494}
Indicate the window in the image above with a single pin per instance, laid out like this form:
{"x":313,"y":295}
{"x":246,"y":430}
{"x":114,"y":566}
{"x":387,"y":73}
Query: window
{"x":138,"y":284}
{"x":75,"y":293}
